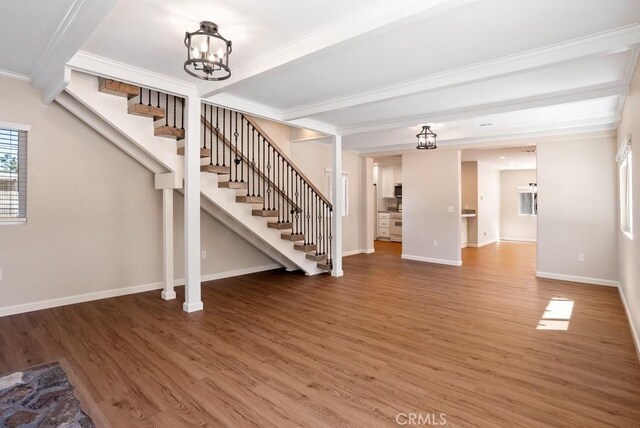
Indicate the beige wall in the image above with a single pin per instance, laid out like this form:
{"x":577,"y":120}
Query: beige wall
{"x":425,"y":203}
{"x":577,"y":208}
{"x":629,"y":249}
{"x":513,"y":226}
{"x":313,"y":158}
{"x":94,"y":218}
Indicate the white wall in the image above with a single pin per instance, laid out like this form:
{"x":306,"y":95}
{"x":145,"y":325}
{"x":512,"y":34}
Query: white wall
{"x":577,"y":209}
{"x":94,"y":219}
{"x":431,"y":184}
{"x":513,"y":226}
{"x":629,"y":249}
{"x":488,"y":204}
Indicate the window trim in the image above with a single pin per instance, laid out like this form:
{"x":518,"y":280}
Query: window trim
{"x":345,"y":181}
{"x":20,"y":127}
{"x":529,"y":190}
{"x":624,"y":158}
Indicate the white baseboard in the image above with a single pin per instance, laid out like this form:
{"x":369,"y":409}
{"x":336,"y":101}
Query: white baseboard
{"x":482,"y":244}
{"x":432,"y":260}
{"x":581,"y":279}
{"x":105,"y":294}
{"x":634,"y":332}
{"x":354,"y":252}
{"x":464,"y":245}
{"x":518,"y":240}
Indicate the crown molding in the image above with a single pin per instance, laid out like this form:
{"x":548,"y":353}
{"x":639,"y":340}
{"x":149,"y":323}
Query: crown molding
{"x":105,"y":67}
{"x":12,"y":75}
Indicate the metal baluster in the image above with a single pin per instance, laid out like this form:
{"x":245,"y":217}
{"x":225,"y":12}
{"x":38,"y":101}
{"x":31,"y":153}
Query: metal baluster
{"x":224,"y":133}
{"x":174,"y":111}
{"x":158,"y":98}
{"x":204,"y":140}
{"x":166,"y":109}
{"x":149,"y":100}
{"x":141,"y":92}
{"x":236,"y":161}
{"x":253,"y":162}
{"x":217,"y":136}
{"x":211,"y":135}
{"x":182,"y":113}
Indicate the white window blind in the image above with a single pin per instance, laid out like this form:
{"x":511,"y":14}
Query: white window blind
{"x":527,"y":200}
{"x":13,"y":174}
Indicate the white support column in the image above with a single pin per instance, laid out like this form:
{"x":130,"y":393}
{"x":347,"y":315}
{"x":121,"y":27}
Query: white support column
{"x":192,"y":292}
{"x":167,"y":244}
{"x":338,"y":206}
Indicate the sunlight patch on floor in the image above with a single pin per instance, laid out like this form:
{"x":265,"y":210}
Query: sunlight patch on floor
{"x":557,"y":314}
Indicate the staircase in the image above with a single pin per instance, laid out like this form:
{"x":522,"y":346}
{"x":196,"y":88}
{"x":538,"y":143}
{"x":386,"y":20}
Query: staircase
{"x":241,"y":165}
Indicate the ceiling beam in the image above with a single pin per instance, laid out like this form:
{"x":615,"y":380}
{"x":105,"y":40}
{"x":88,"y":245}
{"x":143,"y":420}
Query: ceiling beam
{"x":49,"y":75}
{"x":331,"y":36}
{"x":616,"y":40}
{"x":560,"y":97}
{"x":266,"y":112}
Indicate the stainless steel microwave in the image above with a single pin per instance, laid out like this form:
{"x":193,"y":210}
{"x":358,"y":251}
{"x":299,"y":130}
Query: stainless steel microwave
{"x":397,"y":191}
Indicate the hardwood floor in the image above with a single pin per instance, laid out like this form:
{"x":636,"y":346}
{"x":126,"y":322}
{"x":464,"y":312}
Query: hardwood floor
{"x":391,"y":336}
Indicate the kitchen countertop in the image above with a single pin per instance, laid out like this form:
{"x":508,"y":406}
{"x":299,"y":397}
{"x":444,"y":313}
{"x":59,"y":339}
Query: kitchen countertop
{"x":468,"y":215}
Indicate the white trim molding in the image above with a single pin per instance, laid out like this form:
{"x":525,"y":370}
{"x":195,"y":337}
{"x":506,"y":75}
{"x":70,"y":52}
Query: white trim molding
{"x":634,"y":332}
{"x":432,"y":260}
{"x":482,"y":244}
{"x":116,"y":292}
{"x":11,"y":75}
{"x":578,"y":279}
{"x":523,"y":240}
{"x":16,"y":126}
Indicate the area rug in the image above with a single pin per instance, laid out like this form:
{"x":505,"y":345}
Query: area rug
{"x":40,"y":397}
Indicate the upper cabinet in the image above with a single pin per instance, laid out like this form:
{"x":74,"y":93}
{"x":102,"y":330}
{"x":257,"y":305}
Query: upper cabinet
{"x":388,"y":181}
{"x":397,"y":175}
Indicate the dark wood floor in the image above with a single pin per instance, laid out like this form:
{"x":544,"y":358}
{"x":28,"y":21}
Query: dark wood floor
{"x":391,"y":336}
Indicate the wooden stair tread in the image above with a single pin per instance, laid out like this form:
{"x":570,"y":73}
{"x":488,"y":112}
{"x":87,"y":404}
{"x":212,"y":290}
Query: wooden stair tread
{"x":316,"y":257}
{"x":250,"y":199}
{"x":215,"y":169}
{"x":280,"y":226}
{"x":113,"y":87}
{"x":168,"y":132}
{"x":204,"y":153}
{"x":292,"y":236}
{"x":265,"y":213}
{"x":233,"y":185}
{"x":146,"y":111}
{"x":325,"y":265}
{"x":305,"y":247}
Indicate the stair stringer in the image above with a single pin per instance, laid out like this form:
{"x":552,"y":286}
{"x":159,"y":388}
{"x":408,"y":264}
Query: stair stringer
{"x":161,"y":153}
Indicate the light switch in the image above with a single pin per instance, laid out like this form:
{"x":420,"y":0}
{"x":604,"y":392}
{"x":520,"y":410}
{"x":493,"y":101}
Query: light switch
{"x":450,"y":209}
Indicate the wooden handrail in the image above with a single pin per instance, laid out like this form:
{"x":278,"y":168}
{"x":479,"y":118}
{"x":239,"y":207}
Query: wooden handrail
{"x":264,"y":135}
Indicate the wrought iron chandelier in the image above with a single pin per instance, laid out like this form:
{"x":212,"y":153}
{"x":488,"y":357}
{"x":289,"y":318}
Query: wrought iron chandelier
{"x":207,"y":53}
{"x":426,"y":139}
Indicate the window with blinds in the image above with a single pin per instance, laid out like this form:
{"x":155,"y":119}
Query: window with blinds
{"x":13,"y":174}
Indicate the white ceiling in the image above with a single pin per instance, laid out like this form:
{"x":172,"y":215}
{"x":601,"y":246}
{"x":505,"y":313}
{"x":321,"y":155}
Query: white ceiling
{"x":27,"y":27}
{"x":370,"y":70}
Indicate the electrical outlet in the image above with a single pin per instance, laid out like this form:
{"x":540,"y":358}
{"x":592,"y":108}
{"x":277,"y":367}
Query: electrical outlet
{"x":580,"y":257}
{"x":435,"y":243}
{"x":450,"y":209}
{"x":204,"y":254}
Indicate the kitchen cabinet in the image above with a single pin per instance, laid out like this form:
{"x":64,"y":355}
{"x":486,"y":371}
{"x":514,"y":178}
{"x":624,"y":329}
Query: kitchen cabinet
{"x":387,"y":181}
{"x":384,"y":221}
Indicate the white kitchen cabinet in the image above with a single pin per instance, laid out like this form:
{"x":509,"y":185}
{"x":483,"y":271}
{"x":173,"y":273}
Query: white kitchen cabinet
{"x":387,"y":181}
{"x":384,"y":220}
{"x":397,"y":175}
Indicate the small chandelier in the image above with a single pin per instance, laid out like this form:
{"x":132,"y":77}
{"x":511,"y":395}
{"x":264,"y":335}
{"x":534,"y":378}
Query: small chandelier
{"x":426,"y":139}
{"x":207,"y":53}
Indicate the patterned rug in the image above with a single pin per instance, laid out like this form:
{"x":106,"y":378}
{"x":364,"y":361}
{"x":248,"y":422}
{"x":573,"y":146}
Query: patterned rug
{"x":40,"y":397}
